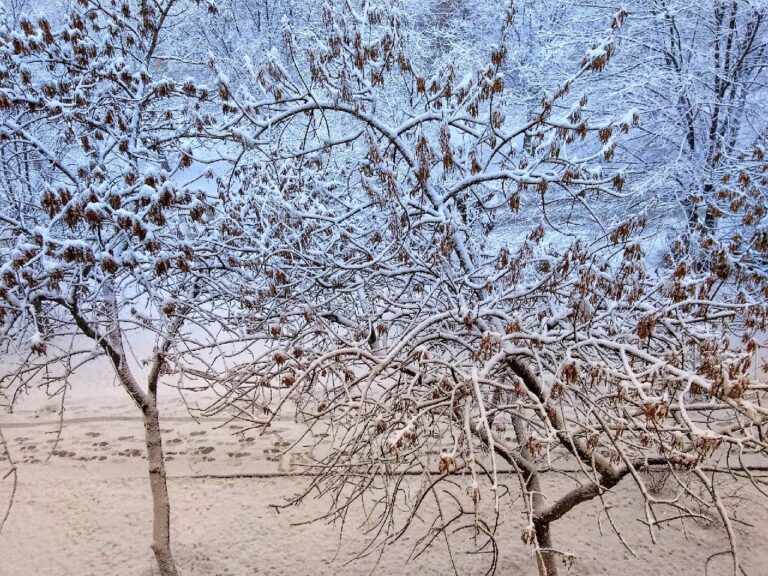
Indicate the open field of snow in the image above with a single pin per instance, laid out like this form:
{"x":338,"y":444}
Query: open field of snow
{"x":83,"y":508}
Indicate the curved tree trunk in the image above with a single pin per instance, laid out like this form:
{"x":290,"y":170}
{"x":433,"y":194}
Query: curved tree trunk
{"x":161,"y":508}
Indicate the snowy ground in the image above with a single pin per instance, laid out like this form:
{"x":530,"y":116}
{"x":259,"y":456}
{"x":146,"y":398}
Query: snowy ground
{"x":86,"y":510}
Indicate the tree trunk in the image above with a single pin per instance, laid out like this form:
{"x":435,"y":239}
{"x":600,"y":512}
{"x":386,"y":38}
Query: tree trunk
{"x":545,"y":558}
{"x":546,"y":561}
{"x":161,"y":508}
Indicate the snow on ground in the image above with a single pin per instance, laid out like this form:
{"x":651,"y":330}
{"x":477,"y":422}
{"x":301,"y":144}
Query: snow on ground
{"x":86,"y":510}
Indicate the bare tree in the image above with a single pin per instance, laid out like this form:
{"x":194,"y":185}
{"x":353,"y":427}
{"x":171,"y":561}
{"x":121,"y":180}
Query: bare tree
{"x":466,"y":304}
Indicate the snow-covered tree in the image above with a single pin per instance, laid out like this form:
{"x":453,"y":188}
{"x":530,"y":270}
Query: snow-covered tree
{"x":702,"y":73}
{"x":106,"y":237}
{"x":467,"y":300}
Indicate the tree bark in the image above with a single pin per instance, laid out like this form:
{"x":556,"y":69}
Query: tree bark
{"x":545,"y":558}
{"x":546,"y":561}
{"x":161,"y":508}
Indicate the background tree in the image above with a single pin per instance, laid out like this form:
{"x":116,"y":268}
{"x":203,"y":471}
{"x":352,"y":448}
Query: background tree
{"x":703,"y":143}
